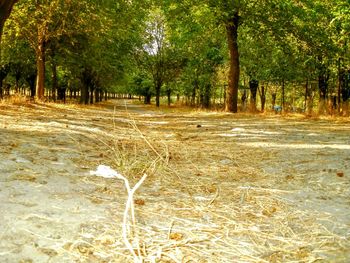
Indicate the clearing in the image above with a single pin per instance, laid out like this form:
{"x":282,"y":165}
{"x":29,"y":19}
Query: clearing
{"x":220,"y":187}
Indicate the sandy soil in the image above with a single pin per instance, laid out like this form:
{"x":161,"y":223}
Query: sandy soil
{"x":210,"y":171}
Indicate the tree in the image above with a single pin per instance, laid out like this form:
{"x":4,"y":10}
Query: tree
{"x":18,"y":58}
{"x":105,"y":54}
{"x":43,"y":22}
{"x":155,"y":48}
{"x":5,"y":11}
{"x":199,"y":51}
{"x":340,"y":26}
{"x":227,"y":15}
{"x":142,"y":85}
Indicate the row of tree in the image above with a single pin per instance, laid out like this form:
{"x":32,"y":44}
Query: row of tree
{"x":75,"y":45}
{"x":203,"y":51}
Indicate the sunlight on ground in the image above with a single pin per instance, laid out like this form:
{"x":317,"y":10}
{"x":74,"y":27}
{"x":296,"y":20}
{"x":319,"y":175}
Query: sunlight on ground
{"x":296,"y":146}
{"x":221,"y":187}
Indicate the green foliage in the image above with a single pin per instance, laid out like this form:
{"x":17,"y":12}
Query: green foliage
{"x":151,"y":48}
{"x":142,"y":85}
{"x":96,"y":35}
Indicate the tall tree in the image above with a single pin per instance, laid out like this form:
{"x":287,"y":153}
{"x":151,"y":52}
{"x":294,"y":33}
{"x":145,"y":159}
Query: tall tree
{"x":43,"y":22}
{"x":155,"y":49}
{"x":5,"y":11}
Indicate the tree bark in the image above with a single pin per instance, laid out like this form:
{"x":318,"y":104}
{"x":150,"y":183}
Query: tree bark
{"x":1,"y":90}
{"x":253,"y":86}
{"x":244,"y":100}
{"x":323,"y":88}
{"x":5,"y":11}
{"x":169,"y":96}
{"x":283,"y":96}
{"x":274,"y":96}
{"x":31,"y":81}
{"x":84,"y":96}
{"x":233,"y":78}
{"x":206,"y":96}
{"x":54,"y":81}
{"x":306,"y":95}
{"x":40,"y":65}
{"x":92,"y":95}
{"x":194,"y":93}
{"x":148,"y":97}
{"x":339,"y":84}
{"x":263,"y":97}
{"x":17,"y":78}
{"x":98,"y":95}
{"x":345,"y":92}
{"x":158,"y":87}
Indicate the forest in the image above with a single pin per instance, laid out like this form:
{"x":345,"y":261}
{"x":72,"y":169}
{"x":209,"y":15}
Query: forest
{"x":174,"y":131}
{"x":234,"y":55}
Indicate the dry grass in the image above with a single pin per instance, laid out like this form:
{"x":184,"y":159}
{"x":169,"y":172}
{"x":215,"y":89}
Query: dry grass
{"x":205,"y":202}
{"x":205,"y":199}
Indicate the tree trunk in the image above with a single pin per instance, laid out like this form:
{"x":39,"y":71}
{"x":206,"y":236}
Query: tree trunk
{"x":101,"y":95}
{"x":273,"y":97}
{"x":31,"y":82}
{"x":233,"y":78}
{"x":194,"y":93}
{"x":345,"y":92}
{"x":5,"y":11}
{"x":346,"y":112}
{"x":7,"y":89}
{"x":283,"y":96}
{"x":206,"y":96}
{"x":244,"y":100}
{"x":147,"y":98}
{"x":92,"y":96}
{"x":263,"y":98}
{"x":306,"y":94}
{"x":54,"y":81}
{"x":1,"y":89}
{"x":40,"y":64}
{"x":323,"y":89}
{"x":158,"y":87}
{"x":84,"y":96}
{"x":97,"y":95}
{"x":17,"y":78}
{"x":310,"y":101}
{"x":340,"y":79}
{"x":62,"y":93}
{"x":168,"y":91}
{"x":253,"y":86}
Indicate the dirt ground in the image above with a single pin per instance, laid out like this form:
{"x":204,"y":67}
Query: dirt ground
{"x":220,"y":187}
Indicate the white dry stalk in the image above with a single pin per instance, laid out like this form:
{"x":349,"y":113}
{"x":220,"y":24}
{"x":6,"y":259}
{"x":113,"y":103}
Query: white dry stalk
{"x":107,"y":172}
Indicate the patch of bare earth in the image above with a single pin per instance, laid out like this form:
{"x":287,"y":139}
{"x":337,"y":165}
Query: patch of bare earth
{"x":220,"y":187}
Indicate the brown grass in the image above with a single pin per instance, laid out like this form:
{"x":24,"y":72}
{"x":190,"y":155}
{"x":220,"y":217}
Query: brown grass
{"x":204,"y":201}
{"x":205,"y":198}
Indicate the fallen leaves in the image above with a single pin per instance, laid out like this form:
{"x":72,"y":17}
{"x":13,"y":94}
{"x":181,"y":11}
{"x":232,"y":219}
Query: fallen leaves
{"x":139,"y":202}
{"x":340,"y":174}
{"x":176,"y":236}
